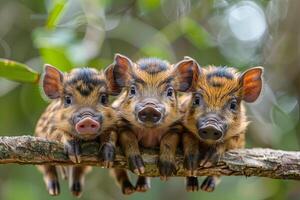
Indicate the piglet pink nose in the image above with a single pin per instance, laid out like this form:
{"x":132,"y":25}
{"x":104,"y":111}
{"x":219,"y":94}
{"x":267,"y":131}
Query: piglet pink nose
{"x":87,"y":126}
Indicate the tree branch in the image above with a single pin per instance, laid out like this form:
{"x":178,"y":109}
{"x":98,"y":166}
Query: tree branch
{"x":244,"y":162}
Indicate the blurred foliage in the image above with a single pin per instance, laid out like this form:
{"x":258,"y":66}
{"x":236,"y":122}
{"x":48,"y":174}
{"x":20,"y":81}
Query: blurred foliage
{"x":74,"y":33}
{"x":18,"y":72}
{"x":55,"y":13}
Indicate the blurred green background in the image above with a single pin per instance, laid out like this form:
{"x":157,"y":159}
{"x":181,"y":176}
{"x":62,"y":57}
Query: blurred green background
{"x":76,"y":33}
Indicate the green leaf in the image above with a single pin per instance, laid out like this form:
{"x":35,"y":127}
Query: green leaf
{"x":17,"y":71}
{"x":55,"y":14}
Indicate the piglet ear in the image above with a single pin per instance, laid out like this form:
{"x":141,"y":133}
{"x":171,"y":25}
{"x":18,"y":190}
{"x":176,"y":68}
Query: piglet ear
{"x":251,"y":81}
{"x":187,"y":58}
{"x":52,"y":82}
{"x":186,"y":74}
{"x":118,"y":73}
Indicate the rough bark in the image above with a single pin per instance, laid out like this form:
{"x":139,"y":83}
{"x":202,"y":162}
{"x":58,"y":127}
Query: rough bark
{"x":244,"y":162}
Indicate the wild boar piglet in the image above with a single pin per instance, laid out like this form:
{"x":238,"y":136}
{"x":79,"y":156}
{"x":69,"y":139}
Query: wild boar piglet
{"x":215,"y":117}
{"x":79,"y":111}
{"x":148,"y":108}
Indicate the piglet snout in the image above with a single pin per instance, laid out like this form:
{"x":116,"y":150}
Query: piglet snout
{"x":87,"y":126}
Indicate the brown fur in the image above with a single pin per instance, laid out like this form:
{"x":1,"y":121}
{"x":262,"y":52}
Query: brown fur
{"x":152,"y":85}
{"x":216,"y":88}
{"x":86,"y":87}
{"x":56,"y":118}
{"x":151,"y":79}
{"x":215,"y":99}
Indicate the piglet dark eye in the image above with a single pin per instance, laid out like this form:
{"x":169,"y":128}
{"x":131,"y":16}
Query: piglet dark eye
{"x":170,"y":92}
{"x":233,"y":105}
{"x":103,"y":99}
{"x":132,"y":90}
{"x":197,"y":100}
{"x":68,"y":100}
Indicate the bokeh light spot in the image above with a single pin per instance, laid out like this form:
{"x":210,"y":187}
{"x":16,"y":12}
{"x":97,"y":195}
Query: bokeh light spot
{"x":247,"y":21}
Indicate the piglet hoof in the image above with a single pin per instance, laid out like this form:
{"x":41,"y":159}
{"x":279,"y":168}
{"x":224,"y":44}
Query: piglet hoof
{"x":107,"y":155}
{"x":76,"y":189}
{"x":210,"y":158}
{"x":53,"y":187}
{"x":72,"y":149}
{"x":166,"y":169}
{"x":136,"y":164}
{"x":143,"y":184}
{"x":209,"y":184}
{"x":127,"y":188}
{"x":192,"y":184}
{"x":191,"y":163}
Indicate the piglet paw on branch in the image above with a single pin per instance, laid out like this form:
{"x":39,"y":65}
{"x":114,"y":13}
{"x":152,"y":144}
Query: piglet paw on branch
{"x":191,"y":162}
{"x":136,"y":164}
{"x":166,"y":168}
{"x":73,"y":150}
{"x":107,"y":155}
{"x":210,"y":158}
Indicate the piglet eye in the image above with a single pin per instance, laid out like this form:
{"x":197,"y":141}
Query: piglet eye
{"x":68,"y":100}
{"x":170,"y":92}
{"x":104,"y":99}
{"x":233,"y":105}
{"x":132,"y":90}
{"x":197,"y":100}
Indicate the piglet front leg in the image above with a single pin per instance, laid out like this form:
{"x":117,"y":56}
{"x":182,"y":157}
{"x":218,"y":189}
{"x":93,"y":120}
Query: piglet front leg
{"x":72,"y":149}
{"x":211,"y":154}
{"x":129,"y":144}
{"x":107,"y":150}
{"x":166,"y":163}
